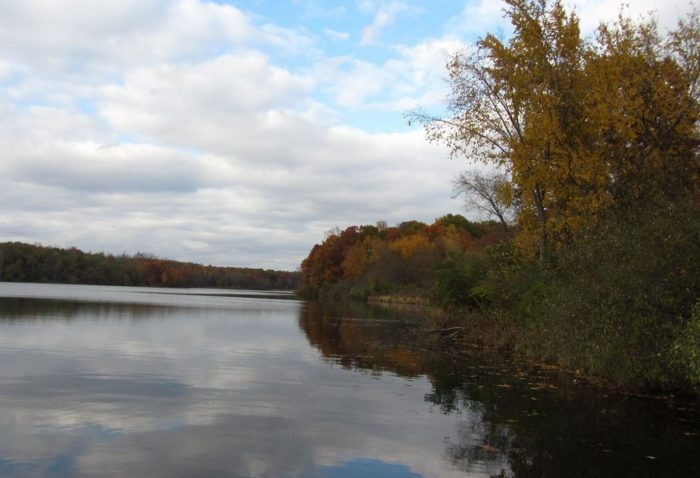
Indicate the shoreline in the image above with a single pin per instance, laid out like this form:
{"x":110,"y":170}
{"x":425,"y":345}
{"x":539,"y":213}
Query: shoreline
{"x":462,"y":330}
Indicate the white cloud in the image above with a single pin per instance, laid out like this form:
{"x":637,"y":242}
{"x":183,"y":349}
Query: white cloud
{"x":175,"y":134}
{"x":210,"y":105}
{"x":414,"y":77}
{"x":59,"y":38}
{"x":667,"y":13}
{"x":336,"y":35}
{"x":225,"y":165}
{"x":481,"y":16}
{"x":477,"y":18}
{"x":168,"y":126}
{"x":384,"y":16}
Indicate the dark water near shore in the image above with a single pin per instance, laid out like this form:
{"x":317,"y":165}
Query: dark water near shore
{"x":111,"y":381}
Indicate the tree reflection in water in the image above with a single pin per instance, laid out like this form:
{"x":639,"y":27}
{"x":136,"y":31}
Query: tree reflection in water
{"x":539,"y":422}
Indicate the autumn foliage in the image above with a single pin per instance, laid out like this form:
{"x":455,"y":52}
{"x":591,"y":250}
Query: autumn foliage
{"x":364,"y":260}
{"x":596,"y":140}
{"x":580,"y":126}
{"x":595,"y":144}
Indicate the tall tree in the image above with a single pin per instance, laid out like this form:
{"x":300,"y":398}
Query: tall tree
{"x":579,"y":126}
{"x":642,"y":95}
{"x":513,"y":104}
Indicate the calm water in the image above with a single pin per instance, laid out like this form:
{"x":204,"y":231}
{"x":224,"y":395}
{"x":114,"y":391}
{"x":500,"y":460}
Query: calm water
{"x":108,"y":381}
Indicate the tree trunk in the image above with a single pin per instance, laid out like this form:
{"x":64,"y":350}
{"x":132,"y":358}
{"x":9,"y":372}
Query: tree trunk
{"x":538,"y":194}
{"x":543,"y":242}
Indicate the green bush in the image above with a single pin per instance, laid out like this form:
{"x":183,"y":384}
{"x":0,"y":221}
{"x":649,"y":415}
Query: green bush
{"x":617,"y":303}
{"x":457,"y":280}
{"x":686,"y":348}
{"x":620,"y":296}
{"x":513,"y":283}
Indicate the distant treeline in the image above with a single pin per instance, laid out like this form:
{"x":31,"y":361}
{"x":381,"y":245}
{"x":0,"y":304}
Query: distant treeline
{"x":20,"y":262}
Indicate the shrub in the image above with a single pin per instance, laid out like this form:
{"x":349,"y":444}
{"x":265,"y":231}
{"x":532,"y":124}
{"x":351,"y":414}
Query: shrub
{"x":457,"y":279}
{"x":621,"y":295}
{"x":685,"y":351}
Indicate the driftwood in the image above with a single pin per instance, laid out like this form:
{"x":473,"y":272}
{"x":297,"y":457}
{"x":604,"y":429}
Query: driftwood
{"x":447,"y":332}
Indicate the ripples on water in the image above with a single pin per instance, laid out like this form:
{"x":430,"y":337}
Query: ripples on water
{"x":111,"y":381}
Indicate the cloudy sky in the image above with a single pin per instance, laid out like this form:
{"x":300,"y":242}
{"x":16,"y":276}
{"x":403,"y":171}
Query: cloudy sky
{"x":229,"y":132}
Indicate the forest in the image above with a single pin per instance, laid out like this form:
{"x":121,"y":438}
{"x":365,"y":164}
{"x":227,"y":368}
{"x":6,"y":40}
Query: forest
{"x":409,"y":259}
{"x":21,"y":262}
{"x":589,"y":152}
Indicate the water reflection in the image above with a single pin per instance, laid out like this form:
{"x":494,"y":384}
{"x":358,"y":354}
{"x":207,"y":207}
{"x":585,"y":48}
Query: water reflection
{"x":368,"y":342}
{"x":249,"y":387}
{"x":23,"y":309}
{"x":228,"y":390}
{"x":360,"y":468}
{"x":534,"y":422}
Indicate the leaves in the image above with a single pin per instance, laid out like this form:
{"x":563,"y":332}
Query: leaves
{"x":368,"y":258}
{"x":578,"y":126}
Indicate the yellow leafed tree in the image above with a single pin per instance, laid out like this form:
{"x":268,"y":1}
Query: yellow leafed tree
{"x":579,"y":126}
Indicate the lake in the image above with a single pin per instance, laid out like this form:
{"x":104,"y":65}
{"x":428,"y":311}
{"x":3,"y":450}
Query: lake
{"x":121,"y":381}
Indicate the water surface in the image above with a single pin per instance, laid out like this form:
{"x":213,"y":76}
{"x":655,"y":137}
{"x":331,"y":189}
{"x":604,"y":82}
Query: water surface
{"x":112,"y":381}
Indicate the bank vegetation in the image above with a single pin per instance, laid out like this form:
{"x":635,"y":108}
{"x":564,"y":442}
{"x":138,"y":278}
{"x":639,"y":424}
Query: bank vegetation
{"x":591,"y":173}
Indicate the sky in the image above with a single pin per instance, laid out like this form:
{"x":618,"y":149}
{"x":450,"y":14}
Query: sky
{"x":232,"y":133}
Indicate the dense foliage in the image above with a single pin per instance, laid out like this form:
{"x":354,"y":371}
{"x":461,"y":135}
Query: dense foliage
{"x":579,"y":126}
{"x":597,"y":144}
{"x":618,"y":304}
{"x":409,"y":258}
{"x":21,"y":262}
